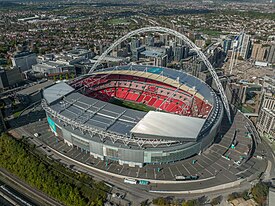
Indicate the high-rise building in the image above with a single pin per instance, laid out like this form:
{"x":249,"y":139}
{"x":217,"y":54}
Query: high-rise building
{"x":260,"y":52}
{"x":271,"y":54}
{"x":227,"y":45}
{"x":178,"y":53}
{"x":149,"y":40}
{"x":186,"y":52}
{"x":244,"y":45}
{"x":24,"y":60}
{"x":161,"y":60}
{"x":122,"y":52}
{"x":255,"y":50}
{"x":135,"y":43}
{"x":266,"y":119}
{"x":10,"y":77}
{"x":163,"y":38}
{"x":172,"y":44}
{"x":136,"y":53}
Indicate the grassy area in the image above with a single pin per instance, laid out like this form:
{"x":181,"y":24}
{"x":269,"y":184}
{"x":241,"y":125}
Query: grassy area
{"x":118,"y":21}
{"x":247,"y":109}
{"x":211,"y":32}
{"x":16,"y":114}
{"x":132,"y":105}
{"x":271,"y":144}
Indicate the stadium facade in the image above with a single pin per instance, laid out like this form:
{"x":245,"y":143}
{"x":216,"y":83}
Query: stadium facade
{"x":95,"y":113}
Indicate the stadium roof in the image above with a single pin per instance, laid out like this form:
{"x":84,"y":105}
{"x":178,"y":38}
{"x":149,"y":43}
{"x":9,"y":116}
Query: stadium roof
{"x":166,"y":125}
{"x":116,"y":119}
{"x":98,"y":114}
{"x":57,"y":91}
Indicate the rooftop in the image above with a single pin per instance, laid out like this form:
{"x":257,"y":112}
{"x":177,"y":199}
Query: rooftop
{"x":161,"y":124}
{"x":149,"y":53}
{"x":56,"y":92}
{"x":22,"y":54}
{"x":97,"y":114}
{"x":37,"y":87}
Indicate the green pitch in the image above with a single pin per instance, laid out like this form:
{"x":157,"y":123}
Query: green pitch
{"x":132,"y":105}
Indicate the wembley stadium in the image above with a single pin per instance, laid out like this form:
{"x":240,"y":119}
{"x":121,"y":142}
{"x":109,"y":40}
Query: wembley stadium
{"x":135,"y":114}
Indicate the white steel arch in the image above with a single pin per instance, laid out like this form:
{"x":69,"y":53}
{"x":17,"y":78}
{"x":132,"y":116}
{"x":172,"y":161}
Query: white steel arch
{"x":187,"y":42}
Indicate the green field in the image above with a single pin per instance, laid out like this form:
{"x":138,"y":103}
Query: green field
{"x":118,"y":21}
{"x":247,"y":109}
{"x":16,"y":114}
{"x":132,"y":105}
{"x":211,"y":32}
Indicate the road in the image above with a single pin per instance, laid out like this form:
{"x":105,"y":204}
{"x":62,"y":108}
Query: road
{"x":36,"y":194}
{"x":13,"y":196}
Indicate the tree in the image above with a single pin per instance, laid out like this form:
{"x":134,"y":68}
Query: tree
{"x":9,"y":62}
{"x":50,"y":177}
{"x":216,"y":200}
{"x":100,"y":202}
{"x":160,"y":201}
{"x":145,"y":203}
{"x":259,"y":192}
{"x":36,"y":49}
{"x":207,"y":43}
{"x":240,"y":58}
{"x":233,"y":196}
{"x":245,"y":195}
{"x":194,"y":202}
{"x":72,"y":75}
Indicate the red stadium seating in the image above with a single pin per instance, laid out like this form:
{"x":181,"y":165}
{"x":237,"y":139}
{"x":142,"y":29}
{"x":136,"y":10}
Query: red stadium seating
{"x":145,"y":91}
{"x":141,"y":98}
{"x":158,"y":103}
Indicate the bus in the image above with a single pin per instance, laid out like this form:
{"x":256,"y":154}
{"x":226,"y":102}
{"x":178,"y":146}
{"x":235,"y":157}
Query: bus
{"x":130,"y":181}
{"x":143,"y":182}
{"x":190,"y":177}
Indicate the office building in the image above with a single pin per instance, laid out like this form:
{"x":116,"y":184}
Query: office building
{"x":53,"y":68}
{"x":244,"y":45}
{"x":161,"y":60}
{"x":24,"y":60}
{"x":135,"y":43}
{"x":136,"y":53}
{"x":10,"y":77}
{"x":164,"y":39}
{"x":260,"y":52}
{"x":178,"y":53}
{"x":227,"y":45}
{"x":149,"y":40}
{"x":266,"y":119}
{"x":271,"y":54}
